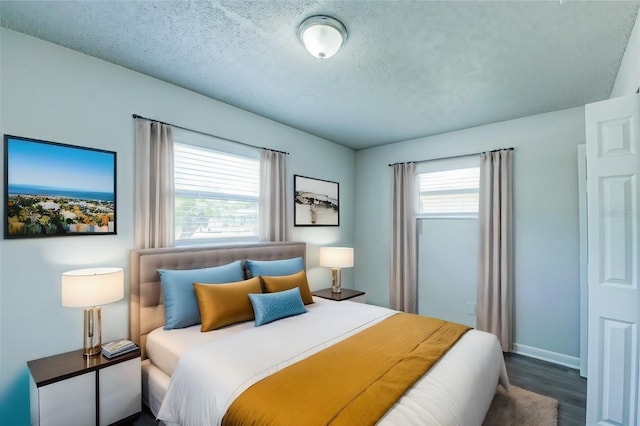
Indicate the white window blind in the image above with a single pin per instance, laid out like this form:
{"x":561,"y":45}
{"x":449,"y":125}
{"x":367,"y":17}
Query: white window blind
{"x":449,"y":193}
{"x":216,"y":195}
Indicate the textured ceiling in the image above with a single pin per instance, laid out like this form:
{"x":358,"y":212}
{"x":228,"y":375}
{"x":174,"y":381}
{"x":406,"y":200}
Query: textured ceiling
{"x":408,"y":68}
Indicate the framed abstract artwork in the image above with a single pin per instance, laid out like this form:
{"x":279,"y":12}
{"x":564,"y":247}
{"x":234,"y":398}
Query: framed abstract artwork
{"x":54,"y":189}
{"x":317,"y":202}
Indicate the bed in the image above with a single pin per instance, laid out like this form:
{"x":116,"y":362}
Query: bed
{"x":184,"y":384}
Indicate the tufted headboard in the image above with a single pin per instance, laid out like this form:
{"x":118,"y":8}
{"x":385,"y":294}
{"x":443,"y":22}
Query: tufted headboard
{"x":146,"y":303}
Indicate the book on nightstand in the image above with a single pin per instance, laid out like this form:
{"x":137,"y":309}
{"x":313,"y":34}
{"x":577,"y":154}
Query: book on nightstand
{"x":118,"y":347}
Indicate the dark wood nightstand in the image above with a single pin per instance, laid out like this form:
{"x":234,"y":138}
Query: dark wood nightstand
{"x":71,"y":388}
{"x":346,"y":294}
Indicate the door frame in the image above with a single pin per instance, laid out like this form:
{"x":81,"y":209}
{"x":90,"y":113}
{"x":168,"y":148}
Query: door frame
{"x":584,"y":282}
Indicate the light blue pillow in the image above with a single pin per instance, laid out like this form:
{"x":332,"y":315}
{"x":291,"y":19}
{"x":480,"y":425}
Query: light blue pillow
{"x":180,"y":303}
{"x":268,"y":307}
{"x":275,"y":268}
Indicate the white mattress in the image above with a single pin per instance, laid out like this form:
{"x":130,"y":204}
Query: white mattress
{"x":456,"y":391}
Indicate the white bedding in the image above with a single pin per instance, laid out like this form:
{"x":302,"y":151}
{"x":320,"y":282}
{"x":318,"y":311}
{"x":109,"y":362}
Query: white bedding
{"x":165,"y":347}
{"x":210,"y":375}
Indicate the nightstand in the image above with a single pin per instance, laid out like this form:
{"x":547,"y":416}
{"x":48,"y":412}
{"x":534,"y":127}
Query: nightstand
{"x":346,"y":294}
{"x":72,"y":389}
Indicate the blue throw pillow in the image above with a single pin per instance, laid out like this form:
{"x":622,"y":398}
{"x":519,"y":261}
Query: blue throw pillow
{"x":180,"y":303}
{"x":268,"y":307}
{"x":275,"y":268}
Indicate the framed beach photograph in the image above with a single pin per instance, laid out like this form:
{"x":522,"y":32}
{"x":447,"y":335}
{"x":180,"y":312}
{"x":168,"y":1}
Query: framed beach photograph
{"x":317,"y":202}
{"x":54,"y":189}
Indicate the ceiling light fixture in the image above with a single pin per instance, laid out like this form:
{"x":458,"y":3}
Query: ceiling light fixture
{"x":322,"y":35}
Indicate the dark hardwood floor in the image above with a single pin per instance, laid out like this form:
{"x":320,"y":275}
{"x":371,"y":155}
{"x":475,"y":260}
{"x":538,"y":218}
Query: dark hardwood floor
{"x":145,"y":419}
{"x":556,"y":381}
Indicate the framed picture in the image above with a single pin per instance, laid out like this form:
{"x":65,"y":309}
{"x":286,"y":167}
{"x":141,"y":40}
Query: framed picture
{"x":53,"y":189}
{"x":317,"y":202}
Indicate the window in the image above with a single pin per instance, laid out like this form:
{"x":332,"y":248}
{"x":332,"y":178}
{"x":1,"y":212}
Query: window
{"x":450,"y":193}
{"x":217,"y":193}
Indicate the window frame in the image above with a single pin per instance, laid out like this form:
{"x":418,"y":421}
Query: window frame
{"x":442,"y":165}
{"x":202,"y":141}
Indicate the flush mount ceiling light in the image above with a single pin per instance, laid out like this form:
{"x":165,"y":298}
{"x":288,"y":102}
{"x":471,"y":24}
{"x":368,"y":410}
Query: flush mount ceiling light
{"x":322,"y":35}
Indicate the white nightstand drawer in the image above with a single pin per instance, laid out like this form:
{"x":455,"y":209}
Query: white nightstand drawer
{"x":68,"y":402}
{"x":360,"y":299}
{"x":120,"y":391}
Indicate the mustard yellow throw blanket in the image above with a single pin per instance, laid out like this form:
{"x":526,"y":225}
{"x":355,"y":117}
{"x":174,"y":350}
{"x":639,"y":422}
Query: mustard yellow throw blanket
{"x":353,"y":382}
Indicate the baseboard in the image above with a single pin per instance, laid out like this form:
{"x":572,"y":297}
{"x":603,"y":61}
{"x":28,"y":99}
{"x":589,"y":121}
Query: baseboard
{"x":544,"y":355}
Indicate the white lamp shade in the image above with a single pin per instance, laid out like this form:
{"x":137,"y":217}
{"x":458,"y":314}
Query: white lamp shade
{"x":322,"y":41}
{"x":322,"y":35}
{"x":336,"y":257}
{"x":82,"y":288}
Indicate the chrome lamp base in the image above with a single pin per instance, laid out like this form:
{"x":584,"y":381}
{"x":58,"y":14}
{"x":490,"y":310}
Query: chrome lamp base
{"x":92,"y":331}
{"x":336,"y":280}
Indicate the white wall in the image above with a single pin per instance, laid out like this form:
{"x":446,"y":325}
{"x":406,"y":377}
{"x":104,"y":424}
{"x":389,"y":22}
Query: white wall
{"x":545,"y":215}
{"x":628,"y":78}
{"x":52,"y":93}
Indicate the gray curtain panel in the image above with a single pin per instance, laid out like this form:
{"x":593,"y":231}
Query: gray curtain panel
{"x":495,"y":254}
{"x":154,"y":190}
{"x":272,"y":212}
{"x":404,"y":270}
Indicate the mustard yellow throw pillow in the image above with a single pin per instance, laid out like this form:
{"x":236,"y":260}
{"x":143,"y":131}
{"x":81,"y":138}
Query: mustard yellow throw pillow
{"x":225,"y":304}
{"x":286,"y":282}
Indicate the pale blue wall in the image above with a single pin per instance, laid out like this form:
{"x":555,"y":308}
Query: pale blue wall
{"x":52,"y":93}
{"x":545,"y":215}
{"x":444,"y":291}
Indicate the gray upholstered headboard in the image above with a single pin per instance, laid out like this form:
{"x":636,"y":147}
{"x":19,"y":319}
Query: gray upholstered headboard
{"x":146,"y":303}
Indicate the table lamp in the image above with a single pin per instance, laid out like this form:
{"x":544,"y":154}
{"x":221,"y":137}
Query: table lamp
{"x":89,"y":289}
{"x":336,"y":258}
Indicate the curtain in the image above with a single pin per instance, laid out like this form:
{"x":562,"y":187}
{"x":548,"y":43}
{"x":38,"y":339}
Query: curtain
{"x":404,"y":275}
{"x":272,"y":211}
{"x":154,"y":190}
{"x":495,"y":255}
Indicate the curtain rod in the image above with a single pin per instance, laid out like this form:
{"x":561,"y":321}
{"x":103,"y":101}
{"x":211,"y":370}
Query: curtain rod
{"x":453,"y":156}
{"x":209,"y":134}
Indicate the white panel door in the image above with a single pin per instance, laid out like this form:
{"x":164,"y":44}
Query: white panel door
{"x":613,"y":163}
